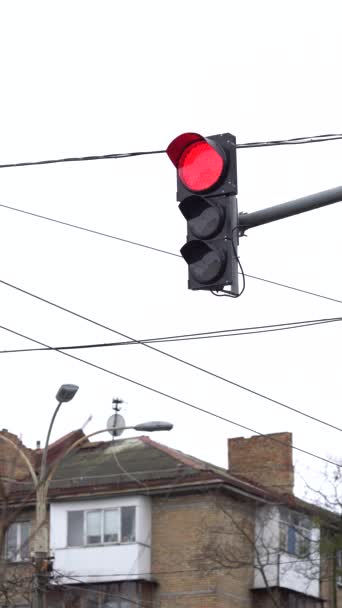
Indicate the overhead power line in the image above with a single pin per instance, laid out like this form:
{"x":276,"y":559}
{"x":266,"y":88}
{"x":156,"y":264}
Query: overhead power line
{"x":177,"y":255}
{"x":308,"y":293}
{"x":104,"y":234}
{"x":75,"y":159}
{"x":166,"y":354}
{"x":292,"y":142}
{"x":222,"y":333}
{"x":253,"y":144}
{"x":173,"y":398}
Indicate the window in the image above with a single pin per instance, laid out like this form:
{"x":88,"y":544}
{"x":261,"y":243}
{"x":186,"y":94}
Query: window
{"x":295,"y":532}
{"x":124,"y":594}
{"x":17,"y":541}
{"x":101,"y":526}
{"x":339,"y":568}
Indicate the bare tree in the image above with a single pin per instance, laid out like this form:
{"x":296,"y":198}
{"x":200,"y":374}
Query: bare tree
{"x":249,"y":540}
{"x":16,"y":579}
{"x":327,"y":500}
{"x":241,"y":544}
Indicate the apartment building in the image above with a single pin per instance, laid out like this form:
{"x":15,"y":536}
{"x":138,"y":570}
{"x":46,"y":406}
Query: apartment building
{"x":133,"y":522}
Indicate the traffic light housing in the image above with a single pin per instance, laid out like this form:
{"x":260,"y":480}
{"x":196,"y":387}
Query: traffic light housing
{"x":206,"y":191}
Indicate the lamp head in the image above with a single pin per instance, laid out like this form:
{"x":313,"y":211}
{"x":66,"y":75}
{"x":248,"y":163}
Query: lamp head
{"x":66,"y":392}
{"x":156,"y":425}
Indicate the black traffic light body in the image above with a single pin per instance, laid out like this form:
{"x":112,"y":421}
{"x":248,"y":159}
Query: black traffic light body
{"x":206,"y":191}
{"x":211,"y":247}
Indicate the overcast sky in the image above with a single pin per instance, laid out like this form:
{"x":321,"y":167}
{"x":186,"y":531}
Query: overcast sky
{"x":82,"y":78}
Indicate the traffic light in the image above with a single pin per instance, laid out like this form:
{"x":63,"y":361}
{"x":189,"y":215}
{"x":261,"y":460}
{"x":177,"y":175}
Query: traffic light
{"x":206,"y":191}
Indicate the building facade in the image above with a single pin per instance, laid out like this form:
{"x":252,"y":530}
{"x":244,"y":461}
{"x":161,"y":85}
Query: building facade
{"x":133,"y":522}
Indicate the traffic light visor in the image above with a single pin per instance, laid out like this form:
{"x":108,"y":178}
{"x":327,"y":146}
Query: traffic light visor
{"x":200,"y":165}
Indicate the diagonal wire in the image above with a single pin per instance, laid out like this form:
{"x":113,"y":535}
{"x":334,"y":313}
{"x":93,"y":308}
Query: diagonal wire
{"x":117,"y":238}
{"x":309,"y":293}
{"x":223,"y":333}
{"x":98,"y":233}
{"x":173,"y":398}
{"x":162,"y":352}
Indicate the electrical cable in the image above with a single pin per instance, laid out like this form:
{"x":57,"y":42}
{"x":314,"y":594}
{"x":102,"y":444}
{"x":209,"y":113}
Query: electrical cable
{"x":74,"y":159}
{"x":254,"y":144}
{"x":293,"y":141}
{"x":223,"y":292}
{"x":177,"y":255}
{"x":309,"y":293}
{"x":176,"y":399}
{"x":166,"y":354}
{"x":108,"y":236}
{"x":228,"y":333}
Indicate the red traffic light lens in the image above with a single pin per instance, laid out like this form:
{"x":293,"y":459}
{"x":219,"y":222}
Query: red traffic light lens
{"x":200,"y":166}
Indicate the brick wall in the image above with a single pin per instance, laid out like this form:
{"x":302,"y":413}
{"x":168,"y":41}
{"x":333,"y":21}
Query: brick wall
{"x":183,"y":528}
{"x":15,"y":584}
{"x":12,"y":465}
{"x":264,"y":459}
{"x":16,"y":577}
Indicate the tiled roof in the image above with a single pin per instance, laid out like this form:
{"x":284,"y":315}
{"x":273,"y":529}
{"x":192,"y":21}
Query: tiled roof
{"x":125,"y":464}
{"x":143,"y":462}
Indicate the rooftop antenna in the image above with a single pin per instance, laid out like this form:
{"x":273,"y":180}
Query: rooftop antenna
{"x":116,"y":402}
{"x":115,"y":422}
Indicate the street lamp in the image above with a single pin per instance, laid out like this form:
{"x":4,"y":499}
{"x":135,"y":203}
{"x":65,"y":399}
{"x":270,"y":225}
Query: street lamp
{"x":153,"y":426}
{"x":41,"y":484}
{"x":65,"y":393}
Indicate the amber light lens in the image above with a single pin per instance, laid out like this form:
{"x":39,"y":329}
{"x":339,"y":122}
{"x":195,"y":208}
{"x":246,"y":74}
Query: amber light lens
{"x":200,"y":166}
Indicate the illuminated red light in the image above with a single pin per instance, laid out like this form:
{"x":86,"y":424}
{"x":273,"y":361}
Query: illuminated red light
{"x":200,"y":166}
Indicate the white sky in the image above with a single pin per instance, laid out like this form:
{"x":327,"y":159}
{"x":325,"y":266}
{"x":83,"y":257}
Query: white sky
{"x":80,"y":78}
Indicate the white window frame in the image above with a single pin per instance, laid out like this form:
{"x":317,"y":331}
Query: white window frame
{"x":301,"y":533}
{"x":102,"y":516}
{"x":339,"y":568}
{"x":19,"y":557}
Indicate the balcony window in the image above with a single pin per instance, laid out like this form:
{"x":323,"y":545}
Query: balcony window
{"x":124,"y":594}
{"x":295,"y":533}
{"x":339,"y":568}
{"x":17,"y":542}
{"x":101,"y":526}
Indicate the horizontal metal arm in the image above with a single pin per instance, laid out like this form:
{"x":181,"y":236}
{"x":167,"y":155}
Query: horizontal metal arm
{"x":299,"y":205}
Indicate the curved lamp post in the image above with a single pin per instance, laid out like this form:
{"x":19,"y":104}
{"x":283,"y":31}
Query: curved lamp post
{"x":41,"y":482}
{"x":41,"y":534}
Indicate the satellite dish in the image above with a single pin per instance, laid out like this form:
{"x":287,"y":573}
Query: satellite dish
{"x":115,"y":424}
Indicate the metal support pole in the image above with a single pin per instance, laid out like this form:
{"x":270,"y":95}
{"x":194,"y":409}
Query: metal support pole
{"x":41,"y":545}
{"x":299,"y":205}
{"x":40,"y":580}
